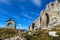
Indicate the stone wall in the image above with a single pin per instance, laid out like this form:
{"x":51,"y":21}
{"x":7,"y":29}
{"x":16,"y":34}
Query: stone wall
{"x":8,"y":22}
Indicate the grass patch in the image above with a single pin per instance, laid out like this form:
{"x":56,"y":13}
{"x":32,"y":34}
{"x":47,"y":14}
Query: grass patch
{"x":7,"y":33}
{"x":40,"y":35}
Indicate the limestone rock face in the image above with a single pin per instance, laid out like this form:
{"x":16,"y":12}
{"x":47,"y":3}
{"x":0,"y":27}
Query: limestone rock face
{"x":35,"y":25}
{"x":49,"y":17}
{"x":43,"y":19}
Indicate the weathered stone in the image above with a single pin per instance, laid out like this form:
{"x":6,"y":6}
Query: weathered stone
{"x":30,"y":33}
{"x":23,"y":39}
{"x":10,"y":21}
{"x":49,"y":17}
{"x":53,"y":33}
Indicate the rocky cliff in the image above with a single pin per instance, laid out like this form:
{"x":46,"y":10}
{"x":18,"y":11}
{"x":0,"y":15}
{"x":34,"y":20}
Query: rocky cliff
{"x":49,"y":17}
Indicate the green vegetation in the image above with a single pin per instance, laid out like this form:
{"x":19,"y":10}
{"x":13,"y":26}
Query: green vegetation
{"x":40,"y":35}
{"x":37,"y":34}
{"x":56,"y":28}
{"x":7,"y":33}
{"x":58,"y":0}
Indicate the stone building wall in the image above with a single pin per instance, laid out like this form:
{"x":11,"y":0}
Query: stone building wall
{"x":8,"y":22}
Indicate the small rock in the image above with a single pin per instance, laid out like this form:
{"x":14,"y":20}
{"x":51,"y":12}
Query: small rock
{"x":30,"y":33}
{"x":53,"y":33}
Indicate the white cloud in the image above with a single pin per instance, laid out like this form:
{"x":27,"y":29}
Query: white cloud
{"x":20,"y":26}
{"x":16,"y":17}
{"x":37,"y":2}
{"x":22,"y":7}
{"x":21,"y":0}
{"x":33,"y":13}
{"x":26,"y":15}
{"x":4,"y":12}
{"x":5,"y":1}
{"x":24,"y":19}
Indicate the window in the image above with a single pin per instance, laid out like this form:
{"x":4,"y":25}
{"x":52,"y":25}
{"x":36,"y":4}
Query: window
{"x":10,"y":25}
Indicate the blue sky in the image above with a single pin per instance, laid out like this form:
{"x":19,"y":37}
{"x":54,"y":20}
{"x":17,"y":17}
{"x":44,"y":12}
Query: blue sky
{"x":24,"y":12}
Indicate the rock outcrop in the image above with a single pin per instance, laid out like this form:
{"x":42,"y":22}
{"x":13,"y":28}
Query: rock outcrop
{"x":49,"y":17}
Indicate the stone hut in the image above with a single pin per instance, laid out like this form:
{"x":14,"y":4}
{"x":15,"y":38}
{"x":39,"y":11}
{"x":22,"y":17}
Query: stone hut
{"x":10,"y":24}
